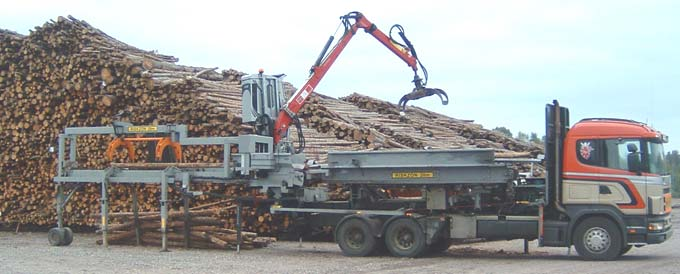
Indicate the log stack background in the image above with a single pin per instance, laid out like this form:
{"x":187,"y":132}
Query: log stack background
{"x":67,"y":73}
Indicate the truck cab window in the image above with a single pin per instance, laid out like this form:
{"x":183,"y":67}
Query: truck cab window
{"x":590,"y":152}
{"x":655,"y":156}
{"x":622,"y":151}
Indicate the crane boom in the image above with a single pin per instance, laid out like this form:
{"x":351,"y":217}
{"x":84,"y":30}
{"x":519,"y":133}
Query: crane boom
{"x":405,"y":52}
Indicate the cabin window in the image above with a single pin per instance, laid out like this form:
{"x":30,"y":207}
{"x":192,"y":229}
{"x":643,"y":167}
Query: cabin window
{"x":257,"y":91}
{"x":590,"y":152}
{"x":619,"y":151}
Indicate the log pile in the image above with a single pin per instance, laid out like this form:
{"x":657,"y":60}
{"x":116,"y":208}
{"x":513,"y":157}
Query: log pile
{"x":419,"y":127}
{"x":67,"y":73}
{"x":209,"y":228}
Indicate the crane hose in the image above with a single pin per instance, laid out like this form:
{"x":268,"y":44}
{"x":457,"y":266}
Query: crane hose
{"x":301,"y":137}
{"x":407,"y":44}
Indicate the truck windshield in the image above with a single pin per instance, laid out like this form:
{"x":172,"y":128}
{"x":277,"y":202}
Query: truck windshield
{"x":656,"y":155}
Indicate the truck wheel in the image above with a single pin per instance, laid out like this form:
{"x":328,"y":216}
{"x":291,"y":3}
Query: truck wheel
{"x":598,"y":239}
{"x":405,"y":238}
{"x":56,"y":236}
{"x":355,"y":238}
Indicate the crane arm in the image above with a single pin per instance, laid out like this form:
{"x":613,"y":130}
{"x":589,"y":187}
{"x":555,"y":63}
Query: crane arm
{"x":406,"y":53}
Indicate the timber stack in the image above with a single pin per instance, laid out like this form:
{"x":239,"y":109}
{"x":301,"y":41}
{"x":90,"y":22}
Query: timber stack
{"x":208,"y":227}
{"x":67,"y":73}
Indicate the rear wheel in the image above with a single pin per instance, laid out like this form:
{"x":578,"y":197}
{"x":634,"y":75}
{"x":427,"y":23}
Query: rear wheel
{"x":405,"y":238}
{"x":598,"y":238}
{"x":355,"y":238}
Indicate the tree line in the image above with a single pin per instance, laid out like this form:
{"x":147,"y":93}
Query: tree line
{"x":521,"y":136}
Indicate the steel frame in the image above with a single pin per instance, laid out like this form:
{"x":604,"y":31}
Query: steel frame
{"x":256,"y":153}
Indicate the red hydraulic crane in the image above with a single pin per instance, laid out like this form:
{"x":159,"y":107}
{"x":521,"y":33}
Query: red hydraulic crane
{"x":405,"y":52}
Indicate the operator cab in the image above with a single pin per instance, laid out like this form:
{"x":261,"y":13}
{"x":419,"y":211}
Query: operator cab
{"x":263,"y":96}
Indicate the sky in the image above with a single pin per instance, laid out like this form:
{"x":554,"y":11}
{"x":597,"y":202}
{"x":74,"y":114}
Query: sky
{"x":499,"y":61}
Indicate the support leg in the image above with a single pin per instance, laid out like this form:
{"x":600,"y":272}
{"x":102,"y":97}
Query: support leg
{"x":135,"y":214}
{"x":60,"y":205}
{"x":164,"y":213}
{"x":238,"y":226}
{"x":105,"y":213}
{"x":187,"y":221}
{"x":526,"y":246}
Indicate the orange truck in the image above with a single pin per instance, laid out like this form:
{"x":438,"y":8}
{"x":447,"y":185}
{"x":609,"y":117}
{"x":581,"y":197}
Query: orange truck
{"x":606,"y":191}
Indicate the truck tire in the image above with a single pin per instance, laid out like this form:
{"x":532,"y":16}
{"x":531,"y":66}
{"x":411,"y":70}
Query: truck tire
{"x":355,"y":238}
{"x":405,"y":238}
{"x":598,"y":238}
{"x":625,"y":249}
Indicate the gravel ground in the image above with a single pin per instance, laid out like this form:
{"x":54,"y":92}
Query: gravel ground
{"x":30,"y":253}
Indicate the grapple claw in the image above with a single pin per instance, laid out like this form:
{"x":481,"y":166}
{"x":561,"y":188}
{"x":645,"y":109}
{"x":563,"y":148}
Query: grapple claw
{"x":418,"y":93}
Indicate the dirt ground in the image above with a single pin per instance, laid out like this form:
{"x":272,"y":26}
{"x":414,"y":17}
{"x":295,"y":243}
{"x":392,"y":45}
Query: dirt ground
{"x":30,"y":253}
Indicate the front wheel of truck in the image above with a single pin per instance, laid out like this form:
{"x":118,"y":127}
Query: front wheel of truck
{"x":599,"y":239}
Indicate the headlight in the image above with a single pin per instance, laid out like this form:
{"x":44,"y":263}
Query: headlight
{"x":655,"y":226}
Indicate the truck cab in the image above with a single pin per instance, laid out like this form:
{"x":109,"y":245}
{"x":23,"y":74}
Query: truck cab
{"x":614,"y":169}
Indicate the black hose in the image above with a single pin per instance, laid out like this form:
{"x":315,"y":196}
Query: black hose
{"x":412,"y":49}
{"x":301,"y":137}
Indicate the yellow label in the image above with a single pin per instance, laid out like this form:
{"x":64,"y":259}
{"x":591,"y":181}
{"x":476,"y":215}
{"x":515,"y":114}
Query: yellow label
{"x":413,"y":175}
{"x":103,"y":221}
{"x":142,"y":129}
{"x":162,"y":223}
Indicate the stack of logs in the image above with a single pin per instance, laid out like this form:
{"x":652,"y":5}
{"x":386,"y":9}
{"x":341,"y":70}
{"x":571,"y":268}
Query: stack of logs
{"x":67,"y":73}
{"x":435,"y":125}
{"x":209,"y":227}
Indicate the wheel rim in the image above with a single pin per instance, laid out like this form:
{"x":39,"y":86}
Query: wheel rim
{"x":404,"y":238}
{"x":354,"y":238}
{"x":597,"y":240}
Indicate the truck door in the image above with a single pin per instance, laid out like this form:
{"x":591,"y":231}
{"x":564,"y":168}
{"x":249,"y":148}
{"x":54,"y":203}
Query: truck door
{"x":601,"y":175}
{"x":626,"y":184}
